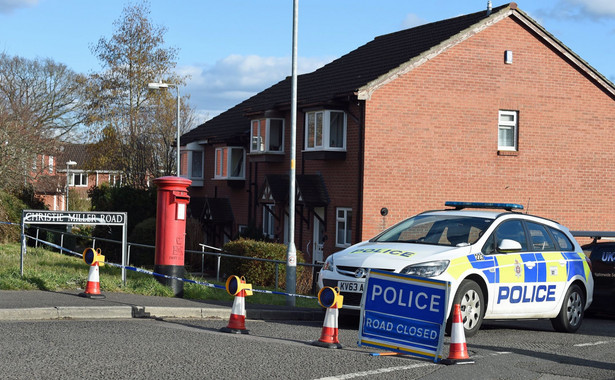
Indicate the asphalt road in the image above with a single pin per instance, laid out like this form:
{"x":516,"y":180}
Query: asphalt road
{"x":196,"y":349}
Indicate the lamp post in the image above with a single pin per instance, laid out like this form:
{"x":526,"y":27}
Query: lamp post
{"x":68,"y":165}
{"x":158,"y":86}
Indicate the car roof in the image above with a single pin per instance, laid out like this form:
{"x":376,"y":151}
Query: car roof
{"x":469,"y":213}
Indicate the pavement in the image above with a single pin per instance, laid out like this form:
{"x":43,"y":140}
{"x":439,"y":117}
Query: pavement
{"x":28,"y":305}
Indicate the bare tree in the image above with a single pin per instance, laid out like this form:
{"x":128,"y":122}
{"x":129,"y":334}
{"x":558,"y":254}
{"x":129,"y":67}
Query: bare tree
{"x":119,"y":97}
{"x":40,"y":104}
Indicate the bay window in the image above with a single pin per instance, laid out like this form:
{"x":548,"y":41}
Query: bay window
{"x":267,"y":136}
{"x":325,"y":130}
{"x":230,"y":163}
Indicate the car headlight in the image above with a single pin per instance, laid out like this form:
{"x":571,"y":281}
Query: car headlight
{"x":328,"y":265}
{"x":428,"y":269}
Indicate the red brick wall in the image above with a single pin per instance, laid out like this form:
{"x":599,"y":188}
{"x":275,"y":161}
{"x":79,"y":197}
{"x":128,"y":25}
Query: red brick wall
{"x":341,"y":179}
{"x":432,"y":135}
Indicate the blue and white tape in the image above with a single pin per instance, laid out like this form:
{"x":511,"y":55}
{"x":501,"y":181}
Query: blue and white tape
{"x":145,"y":271}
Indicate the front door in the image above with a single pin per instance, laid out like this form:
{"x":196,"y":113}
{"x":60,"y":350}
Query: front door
{"x":319,"y":234}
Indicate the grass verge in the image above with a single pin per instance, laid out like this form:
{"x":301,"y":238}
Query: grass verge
{"x":53,"y":271}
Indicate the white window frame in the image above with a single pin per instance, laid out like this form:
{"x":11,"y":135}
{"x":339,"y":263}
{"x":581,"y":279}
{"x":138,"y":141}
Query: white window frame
{"x":50,"y":164}
{"x":260,"y":143}
{"x":81,"y":176}
{"x":191,"y":167}
{"x":268,"y":221}
{"x":343,"y":234}
{"x":222,"y":172}
{"x":325,"y":130}
{"x":505,"y":125}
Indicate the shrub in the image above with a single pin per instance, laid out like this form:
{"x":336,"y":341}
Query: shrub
{"x":194,"y":236}
{"x":138,"y":205}
{"x":143,"y":233}
{"x":10,"y":211}
{"x":261,"y":273}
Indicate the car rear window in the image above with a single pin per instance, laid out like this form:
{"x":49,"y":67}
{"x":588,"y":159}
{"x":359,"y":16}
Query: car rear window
{"x":562,"y":240}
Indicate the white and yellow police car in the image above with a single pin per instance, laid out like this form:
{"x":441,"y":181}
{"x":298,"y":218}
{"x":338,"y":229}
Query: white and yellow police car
{"x":501,"y":264}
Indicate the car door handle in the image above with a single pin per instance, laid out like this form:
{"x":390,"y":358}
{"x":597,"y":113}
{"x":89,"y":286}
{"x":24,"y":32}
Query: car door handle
{"x":530,"y":265}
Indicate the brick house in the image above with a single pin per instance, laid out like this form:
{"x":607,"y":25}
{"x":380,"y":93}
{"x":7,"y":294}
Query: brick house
{"x":50,"y":183}
{"x":487,"y":106}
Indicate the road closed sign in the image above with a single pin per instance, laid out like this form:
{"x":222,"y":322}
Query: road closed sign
{"x":404,"y":314}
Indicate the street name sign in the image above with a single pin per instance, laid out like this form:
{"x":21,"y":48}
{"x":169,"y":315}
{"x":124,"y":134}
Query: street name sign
{"x":73,"y":217}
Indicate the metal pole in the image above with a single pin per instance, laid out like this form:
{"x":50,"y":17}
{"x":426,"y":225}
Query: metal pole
{"x":68,"y":226}
{"x":291,"y":255}
{"x":178,"y":127}
{"x":67,"y":183}
{"x":23,"y":244}
{"x":124,"y":244}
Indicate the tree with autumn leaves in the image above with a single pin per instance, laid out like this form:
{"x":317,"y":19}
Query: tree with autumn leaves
{"x":44,"y":104}
{"x":135,"y":127}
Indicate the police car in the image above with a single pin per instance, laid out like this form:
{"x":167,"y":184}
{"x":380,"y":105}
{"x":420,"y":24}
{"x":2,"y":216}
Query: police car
{"x":601,"y":253}
{"x":501,"y":264}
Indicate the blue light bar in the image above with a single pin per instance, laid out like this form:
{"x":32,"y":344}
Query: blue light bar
{"x":505,"y":206}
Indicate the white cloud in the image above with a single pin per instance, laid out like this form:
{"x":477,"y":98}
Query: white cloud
{"x":595,"y":8}
{"x":8,"y":6}
{"x":215,"y":88}
{"x":411,"y":20}
{"x":582,"y":9}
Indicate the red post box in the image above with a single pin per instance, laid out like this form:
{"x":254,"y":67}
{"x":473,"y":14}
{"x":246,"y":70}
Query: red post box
{"x":171,"y":213}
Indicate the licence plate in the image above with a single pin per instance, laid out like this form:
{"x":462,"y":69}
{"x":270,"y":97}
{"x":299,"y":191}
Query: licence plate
{"x":350,"y":287}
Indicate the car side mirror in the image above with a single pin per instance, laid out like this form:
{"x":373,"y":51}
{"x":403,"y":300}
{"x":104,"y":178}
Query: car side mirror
{"x":509,"y":245}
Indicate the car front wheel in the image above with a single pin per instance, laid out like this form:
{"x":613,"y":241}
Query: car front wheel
{"x":571,"y":313}
{"x":470,"y":298}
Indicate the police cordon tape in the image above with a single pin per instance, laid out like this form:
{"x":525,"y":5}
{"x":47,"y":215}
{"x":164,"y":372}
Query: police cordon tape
{"x":145,"y":271}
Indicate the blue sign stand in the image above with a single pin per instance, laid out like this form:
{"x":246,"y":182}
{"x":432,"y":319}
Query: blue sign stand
{"x":404,"y":314}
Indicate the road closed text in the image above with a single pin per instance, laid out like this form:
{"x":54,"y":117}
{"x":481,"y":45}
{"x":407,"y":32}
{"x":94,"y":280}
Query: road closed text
{"x":398,"y":328}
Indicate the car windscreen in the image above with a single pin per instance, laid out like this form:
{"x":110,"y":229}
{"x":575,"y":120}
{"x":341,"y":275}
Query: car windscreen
{"x":450,"y":230}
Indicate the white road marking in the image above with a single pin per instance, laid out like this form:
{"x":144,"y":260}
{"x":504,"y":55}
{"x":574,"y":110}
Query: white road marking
{"x":377,"y":371}
{"x":393,"y":369}
{"x":593,"y":343}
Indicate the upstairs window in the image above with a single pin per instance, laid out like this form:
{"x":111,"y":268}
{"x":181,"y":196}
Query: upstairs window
{"x":230,"y":163}
{"x":50,"y":164}
{"x":343,"y":227}
{"x":78,"y":179}
{"x":508,"y":126}
{"x":267,"y":136}
{"x":325,"y":130}
{"x":183,"y":163}
{"x":196,"y":164}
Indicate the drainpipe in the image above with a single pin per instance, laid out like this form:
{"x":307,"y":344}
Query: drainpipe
{"x":361,"y":158}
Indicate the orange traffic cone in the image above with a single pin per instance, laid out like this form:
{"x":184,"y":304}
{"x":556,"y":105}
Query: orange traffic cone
{"x":92,"y":288}
{"x":458,"y":351}
{"x":237,"y":321}
{"x":329,"y":335}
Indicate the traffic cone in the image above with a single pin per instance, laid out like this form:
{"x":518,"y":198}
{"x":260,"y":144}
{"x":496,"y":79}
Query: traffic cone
{"x":458,"y":351}
{"x":237,"y":321}
{"x":92,"y":288}
{"x":328,"y":337}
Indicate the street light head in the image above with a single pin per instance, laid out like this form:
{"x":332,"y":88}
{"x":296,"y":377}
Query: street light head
{"x":157,"y":86}
{"x":71,"y":163}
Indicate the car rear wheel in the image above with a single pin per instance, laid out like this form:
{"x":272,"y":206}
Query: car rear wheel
{"x":571,"y":313}
{"x":470,"y":298}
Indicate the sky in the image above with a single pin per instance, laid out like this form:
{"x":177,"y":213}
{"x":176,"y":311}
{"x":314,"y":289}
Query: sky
{"x":233,"y":49}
